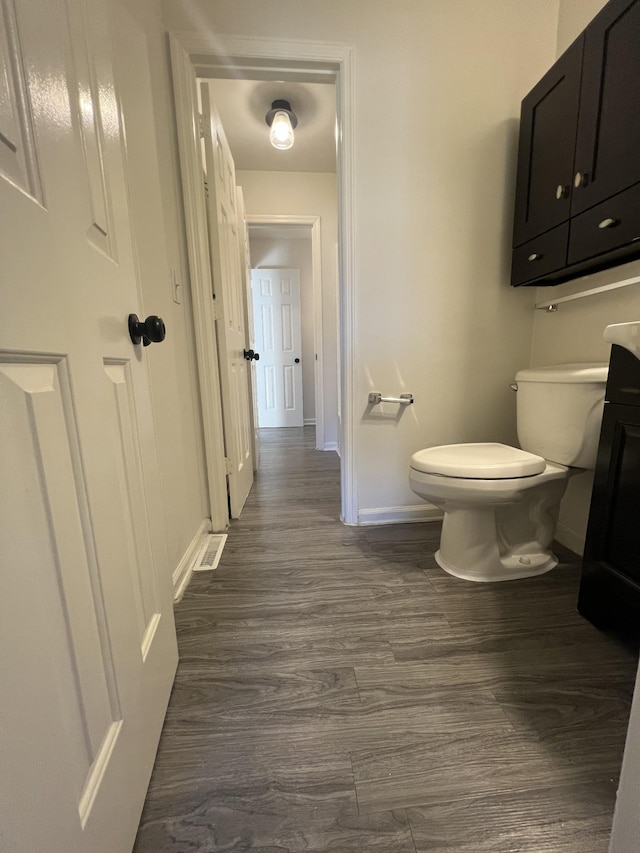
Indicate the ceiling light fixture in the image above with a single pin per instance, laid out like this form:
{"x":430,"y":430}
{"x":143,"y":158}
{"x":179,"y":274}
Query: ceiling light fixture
{"x":281,"y":119}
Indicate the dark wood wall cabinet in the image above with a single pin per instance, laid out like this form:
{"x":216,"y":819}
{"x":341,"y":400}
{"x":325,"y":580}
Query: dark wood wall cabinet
{"x":610,"y":581}
{"x":577,"y":206}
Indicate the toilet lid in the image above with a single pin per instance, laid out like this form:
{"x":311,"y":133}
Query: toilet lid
{"x":490,"y":461}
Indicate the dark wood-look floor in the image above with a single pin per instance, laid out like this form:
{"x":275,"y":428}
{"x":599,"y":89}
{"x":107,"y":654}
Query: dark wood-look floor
{"x":337,"y":691}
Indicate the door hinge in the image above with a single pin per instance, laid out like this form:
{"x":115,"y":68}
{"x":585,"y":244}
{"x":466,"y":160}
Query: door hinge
{"x":201,"y":125}
{"x":214,"y":309}
{"x":228,"y":465}
{"x":206,"y":189}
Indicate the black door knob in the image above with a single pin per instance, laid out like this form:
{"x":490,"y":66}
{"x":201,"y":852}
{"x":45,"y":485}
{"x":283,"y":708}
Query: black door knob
{"x":297,"y":360}
{"x":250,"y":354}
{"x":151,"y":330}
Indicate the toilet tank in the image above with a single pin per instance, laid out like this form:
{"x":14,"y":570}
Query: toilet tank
{"x":560,"y":411}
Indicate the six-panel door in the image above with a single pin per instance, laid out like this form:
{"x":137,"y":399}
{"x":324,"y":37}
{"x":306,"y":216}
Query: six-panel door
{"x":87,"y":640}
{"x":276,"y":307}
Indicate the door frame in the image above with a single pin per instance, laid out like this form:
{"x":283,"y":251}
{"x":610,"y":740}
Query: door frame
{"x":191,"y":171}
{"x":189,"y":52}
{"x":316,"y":273}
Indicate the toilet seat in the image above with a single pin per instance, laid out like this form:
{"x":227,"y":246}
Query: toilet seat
{"x":480,"y":461}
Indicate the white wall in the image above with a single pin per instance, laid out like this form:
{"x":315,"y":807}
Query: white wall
{"x":573,"y":17}
{"x":157,"y":219}
{"x":437,"y":93}
{"x":307,"y":194}
{"x":283,"y":253}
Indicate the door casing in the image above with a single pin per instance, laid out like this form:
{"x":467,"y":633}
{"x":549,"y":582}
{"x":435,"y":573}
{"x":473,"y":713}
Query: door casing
{"x":189,"y":52}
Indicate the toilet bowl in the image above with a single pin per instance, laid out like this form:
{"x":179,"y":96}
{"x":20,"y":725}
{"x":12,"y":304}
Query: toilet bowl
{"x":501,"y":503}
{"x":483,"y":538}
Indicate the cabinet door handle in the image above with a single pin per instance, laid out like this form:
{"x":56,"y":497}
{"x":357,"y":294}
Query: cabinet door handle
{"x":608,"y":223}
{"x":535,"y":256}
{"x":580,"y":180}
{"x":562,"y":191}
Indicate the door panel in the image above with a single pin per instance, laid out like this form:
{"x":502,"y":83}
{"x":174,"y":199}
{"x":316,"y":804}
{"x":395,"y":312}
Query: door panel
{"x":130,"y":479}
{"x":87,"y":641}
{"x":229,"y":304}
{"x":18,"y":160}
{"x":88,"y":33}
{"x":36,"y":396}
{"x":276,"y":299}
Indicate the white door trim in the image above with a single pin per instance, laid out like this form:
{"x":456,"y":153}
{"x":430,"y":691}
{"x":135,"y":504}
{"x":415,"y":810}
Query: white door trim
{"x":316,"y":266}
{"x":189,"y":49}
{"x":186,"y":101}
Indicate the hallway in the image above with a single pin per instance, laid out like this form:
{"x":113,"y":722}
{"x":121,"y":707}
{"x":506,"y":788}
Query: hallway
{"x":338,"y":691}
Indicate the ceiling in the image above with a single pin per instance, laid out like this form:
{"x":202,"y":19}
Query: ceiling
{"x":243,"y":105}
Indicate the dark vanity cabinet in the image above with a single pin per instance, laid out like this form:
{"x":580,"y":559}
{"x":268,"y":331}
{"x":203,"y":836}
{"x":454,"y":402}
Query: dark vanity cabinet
{"x":610,"y":582}
{"x":577,"y":205}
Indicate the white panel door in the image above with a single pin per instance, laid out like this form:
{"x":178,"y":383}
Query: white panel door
{"x":276,"y":308}
{"x":245,"y":267}
{"x":228,"y":296}
{"x":87,"y":639}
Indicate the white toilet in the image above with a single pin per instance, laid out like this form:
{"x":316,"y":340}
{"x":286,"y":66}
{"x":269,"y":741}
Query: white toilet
{"x":501,"y":504}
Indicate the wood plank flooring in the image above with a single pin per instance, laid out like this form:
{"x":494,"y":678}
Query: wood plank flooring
{"x":337,"y":691}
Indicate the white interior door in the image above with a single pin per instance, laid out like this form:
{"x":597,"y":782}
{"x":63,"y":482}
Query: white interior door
{"x":87,"y":640}
{"x":245,"y":267}
{"x":276,"y":306}
{"x":229,"y":304}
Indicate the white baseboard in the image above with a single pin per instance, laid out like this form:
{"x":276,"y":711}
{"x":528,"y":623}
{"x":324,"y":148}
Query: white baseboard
{"x":331,"y":445}
{"x":309,"y":422}
{"x":399,"y":514}
{"x":190,"y":558}
{"x":569,"y":538}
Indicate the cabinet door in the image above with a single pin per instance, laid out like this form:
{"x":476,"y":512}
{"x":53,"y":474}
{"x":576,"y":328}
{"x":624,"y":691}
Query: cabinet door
{"x":610,"y":582}
{"x":616,"y":529}
{"x":608,"y":139}
{"x":548,"y":126}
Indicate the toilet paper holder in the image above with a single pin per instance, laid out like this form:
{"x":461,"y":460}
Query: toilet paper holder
{"x":375,"y":397}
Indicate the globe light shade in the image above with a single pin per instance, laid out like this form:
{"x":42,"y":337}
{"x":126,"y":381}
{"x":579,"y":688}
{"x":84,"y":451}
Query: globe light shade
{"x":281,"y":135}
{"x":282,"y":120}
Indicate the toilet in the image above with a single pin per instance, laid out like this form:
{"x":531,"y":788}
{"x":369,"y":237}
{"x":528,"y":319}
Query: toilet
{"x":501,"y":503}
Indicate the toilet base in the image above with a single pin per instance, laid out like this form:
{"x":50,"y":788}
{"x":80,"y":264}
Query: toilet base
{"x":496,"y":530}
{"x":511,"y":568}
{"x":498,"y":542}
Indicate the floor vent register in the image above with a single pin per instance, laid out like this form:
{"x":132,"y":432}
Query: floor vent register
{"x":210,"y":556}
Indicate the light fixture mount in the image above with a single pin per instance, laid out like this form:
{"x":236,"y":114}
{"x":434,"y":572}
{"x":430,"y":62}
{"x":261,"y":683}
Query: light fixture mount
{"x":280,"y":105}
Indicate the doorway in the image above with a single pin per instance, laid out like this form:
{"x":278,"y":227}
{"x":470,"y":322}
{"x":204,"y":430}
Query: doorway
{"x":294,"y":241}
{"x":194,"y":55}
{"x":290,"y":196}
